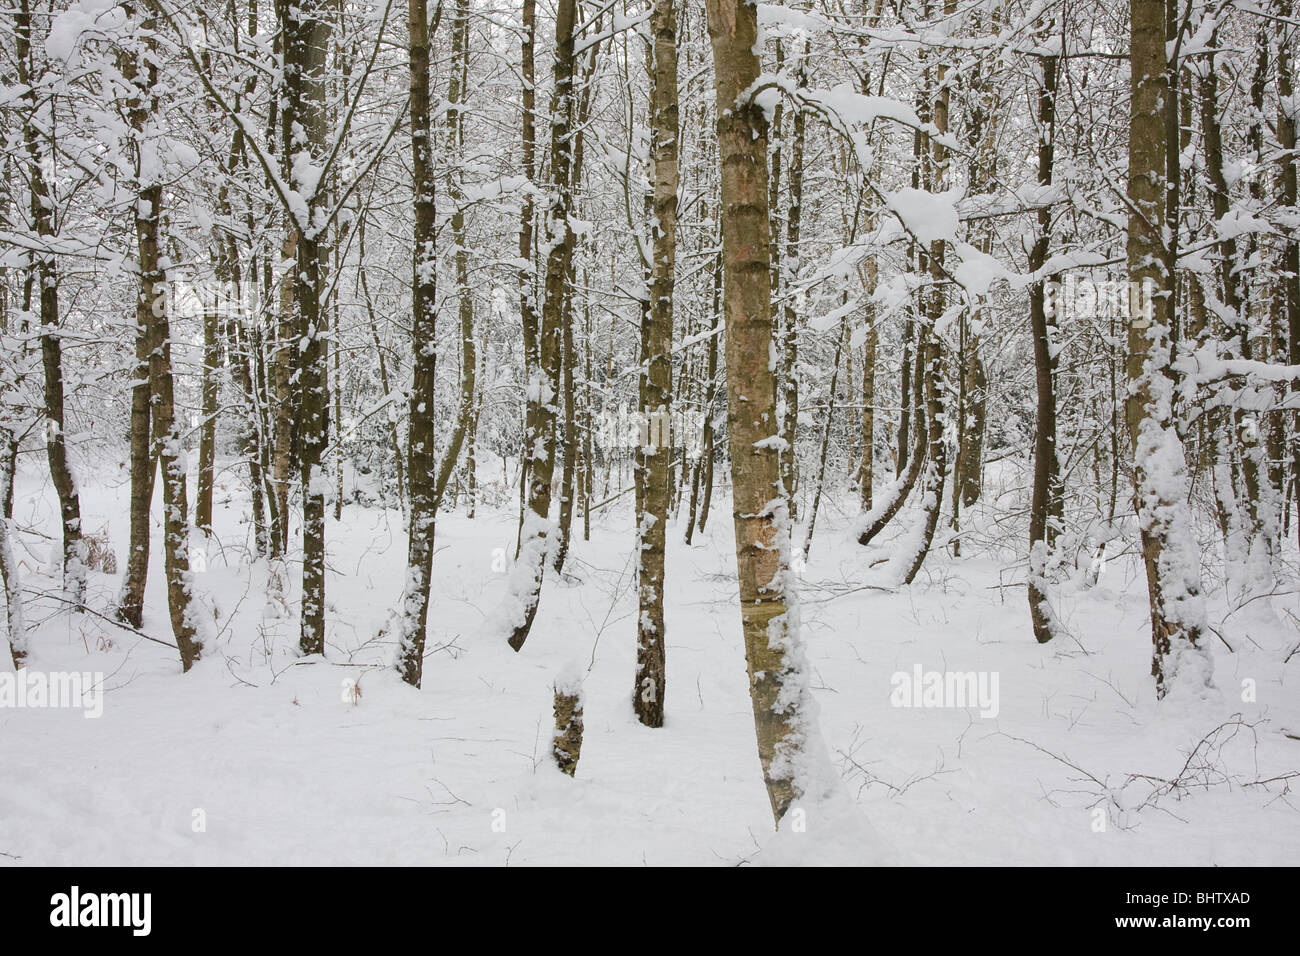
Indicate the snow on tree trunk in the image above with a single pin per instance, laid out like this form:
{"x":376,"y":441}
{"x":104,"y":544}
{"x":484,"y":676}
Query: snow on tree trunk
{"x":784,"y":713}
{"x":1160,"y":473}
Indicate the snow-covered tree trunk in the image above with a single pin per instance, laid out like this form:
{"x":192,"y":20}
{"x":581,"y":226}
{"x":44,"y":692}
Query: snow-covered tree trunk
{"x":1160,"y":473}
{"x":544,"y":386}
{"x":39,"y":157}
{"x":790,"y":314}
{"x":421,"y":460}
{"x":783,"y":709}
{"x":1288,"y":108}
{"x":1045,"y":505}
{"x":656,"y":382}
{"x":10,"y":574}
{"x":306,"y":42}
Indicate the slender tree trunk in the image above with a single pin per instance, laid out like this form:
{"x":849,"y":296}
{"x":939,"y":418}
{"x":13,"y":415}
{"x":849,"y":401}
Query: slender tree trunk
{"x":527,"y":269}
{"x":421,"y":461}
{"x":1286,"y":137}
{"x":657,"y":371}
{"x":176,"y":556}
{"x":9,"y":572}
{"x":1045,"y":507}
{"x":46,"y":277}
{"x":456,"y":96}
{"x":394,"y":438}
{"x":826,"y":439}
{"x":130,"y":607}
{"x":544,"y":390}
{"x":208,"y":425}
{"x":867,"y":466}
{"x":711,"y":394}
{"x":790,"y":331}
{"x":284,"y":364}
{"x":568,"y":475}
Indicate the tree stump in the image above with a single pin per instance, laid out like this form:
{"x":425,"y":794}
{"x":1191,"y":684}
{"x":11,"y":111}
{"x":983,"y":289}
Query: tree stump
{"x":566,"y":746}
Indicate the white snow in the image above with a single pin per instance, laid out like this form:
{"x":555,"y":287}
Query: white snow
{"x":287,"y":760}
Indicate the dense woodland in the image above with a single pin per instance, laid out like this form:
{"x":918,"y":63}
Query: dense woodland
{"x":828,"y":265}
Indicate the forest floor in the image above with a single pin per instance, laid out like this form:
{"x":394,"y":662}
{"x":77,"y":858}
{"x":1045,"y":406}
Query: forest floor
{"x":261,"y":757}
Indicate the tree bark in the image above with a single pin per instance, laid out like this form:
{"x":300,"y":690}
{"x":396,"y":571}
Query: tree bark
{"x":773,"y":651}
{"x":656,"y":384}
{"x":1160,"y":475}
{"x":421,"y":460}
{"x":46,"y":279}
{"x":1045,"y":507}
{"x":544,"y":389}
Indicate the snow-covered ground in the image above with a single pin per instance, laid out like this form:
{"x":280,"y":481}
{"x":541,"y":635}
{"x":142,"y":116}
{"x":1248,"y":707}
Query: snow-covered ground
{"x":260,"y":757}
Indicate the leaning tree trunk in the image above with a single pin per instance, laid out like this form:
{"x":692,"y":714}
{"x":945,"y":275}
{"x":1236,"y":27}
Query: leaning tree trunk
{"x":932,"y":355}
{"x":45,"y":275}
{"x":543,"y":393}
{"x":456,"y":95}
{"x":657,"y":371}
{"x":843,"y":333}
{"x":1160,"y":473}
{"x":783,"y":721}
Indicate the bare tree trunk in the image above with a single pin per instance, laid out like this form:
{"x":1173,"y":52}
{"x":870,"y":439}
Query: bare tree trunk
{"x":9,"y":573}
{"x":527,"y":270}
{"x":711,"y":393}
{"x":657,"y":372}
{"x":932,"y":353}
{"x":394,"y":438}
{"x":1045,"y":508}
{"x":176,"y":555}
{"x":568,"y":474}
{"x":284,"y":364}
{"x":790,"y":331}
{"x":130,"y":607}
{"x":140,"y":68}
{"x":456,"y":95}
{"x":782,"y":720}
{"x":826,"y":438}
{"x":45,"y":273}
{"x":867,"y":466}
{"x":1286,"y":137}
{"x":421,"y":461}
{"x":208,"y":425}
{"x":545,"y":387}
{"x":1160,"y":475}
{"x":307,"y":30}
